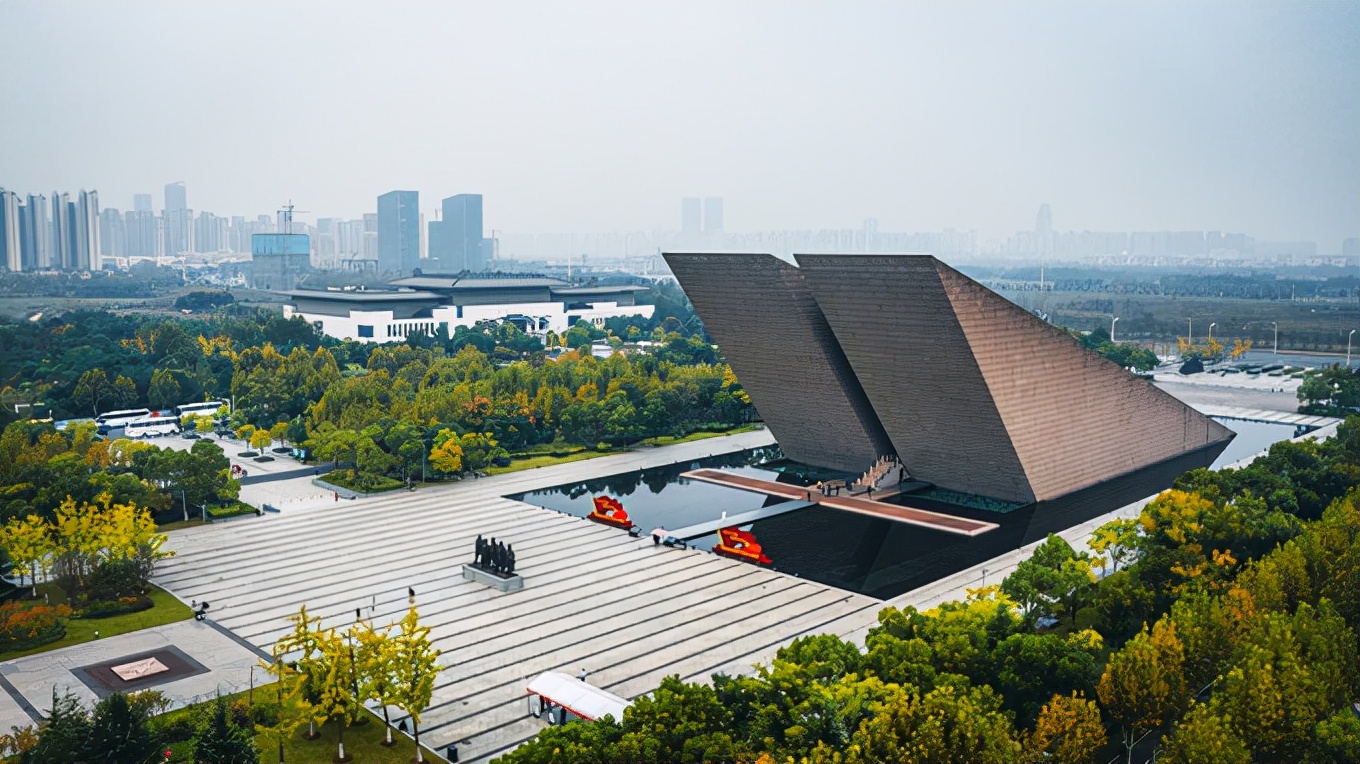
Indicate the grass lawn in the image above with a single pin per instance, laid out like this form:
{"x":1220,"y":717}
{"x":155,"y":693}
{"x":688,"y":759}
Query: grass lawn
{"x":78,"y":630}
{"x":546,"y":460}
{"x":191,"y":522}
{"x":667,"y":440}
{"x":362,"y":741}
{"x":232,"y":510}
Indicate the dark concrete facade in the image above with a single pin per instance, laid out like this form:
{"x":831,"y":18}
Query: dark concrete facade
{"x":973,"y":393}
{"x":761,"y":313}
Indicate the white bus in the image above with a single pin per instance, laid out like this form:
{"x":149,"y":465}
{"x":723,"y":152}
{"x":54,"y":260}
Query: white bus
{"x":199,"y":409}
{"x":151,"y":427}
{"x":112,"y":419}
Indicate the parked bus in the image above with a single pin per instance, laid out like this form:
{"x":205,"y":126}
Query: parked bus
{"x":151,"y":427}
{"x":199,"y":409}
{"x":112,"y":419}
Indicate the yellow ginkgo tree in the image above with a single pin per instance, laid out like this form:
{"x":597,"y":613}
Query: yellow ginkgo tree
{"x":28,"y":542}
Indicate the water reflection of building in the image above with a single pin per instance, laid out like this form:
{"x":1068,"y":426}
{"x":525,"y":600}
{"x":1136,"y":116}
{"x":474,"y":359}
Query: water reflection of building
{"x":851,"y":357}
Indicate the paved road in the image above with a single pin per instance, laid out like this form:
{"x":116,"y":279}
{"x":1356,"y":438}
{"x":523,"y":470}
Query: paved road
{"x":28,"y":682}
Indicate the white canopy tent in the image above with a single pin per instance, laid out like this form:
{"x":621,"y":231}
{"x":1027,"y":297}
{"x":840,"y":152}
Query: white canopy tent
{"x":581,"y":699}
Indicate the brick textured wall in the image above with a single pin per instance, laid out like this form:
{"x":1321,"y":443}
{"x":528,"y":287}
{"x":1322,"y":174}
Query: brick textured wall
{"x":897,"y":327}
{"x":763,"y":318}
{"x":1075,"y":418}
{"x":851,"y":356}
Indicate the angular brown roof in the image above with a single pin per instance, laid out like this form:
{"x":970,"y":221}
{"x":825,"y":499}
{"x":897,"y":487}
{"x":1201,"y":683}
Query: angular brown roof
{"x":759,"y":311}
{"x":971,"y":391}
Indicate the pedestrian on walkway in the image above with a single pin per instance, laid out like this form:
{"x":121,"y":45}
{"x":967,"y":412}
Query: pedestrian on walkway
{"x":337,"y":496}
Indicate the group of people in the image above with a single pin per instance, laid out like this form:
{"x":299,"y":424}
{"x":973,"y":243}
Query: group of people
{"x":237,"y":471}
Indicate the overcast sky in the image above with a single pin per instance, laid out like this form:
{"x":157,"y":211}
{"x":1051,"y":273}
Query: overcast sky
{"x":1231,"y":116}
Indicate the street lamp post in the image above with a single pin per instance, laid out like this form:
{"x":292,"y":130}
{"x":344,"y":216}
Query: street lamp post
{"x":1276,"y":325}
{"x":1211,"y":331}
{"x":1113,"y":321}
{"x":1190,"y":332}
{"x":1348,"y":348}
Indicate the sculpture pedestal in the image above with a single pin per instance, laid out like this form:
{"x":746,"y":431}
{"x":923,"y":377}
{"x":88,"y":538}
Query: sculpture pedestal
{"x":511,"y":583}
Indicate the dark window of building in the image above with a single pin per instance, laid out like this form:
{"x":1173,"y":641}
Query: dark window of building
{"x":460,"y":311}
{"x":365,"y":331}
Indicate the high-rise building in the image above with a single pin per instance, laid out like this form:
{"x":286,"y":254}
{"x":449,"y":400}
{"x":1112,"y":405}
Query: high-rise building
{"x":178,"y":219}
{"x":456,"y":241}
{"x":63,"y":217}
{"x":142,"y":234}
{"x":398,"y":232}
{"x":85,"y":231}
{"x":713,"y":214}
{"x":112,"y":233}
{"x":691,"y":215}
{"x":142,"y":203}
{"x":40,"y":250}
{"x":11,"y":253}
{"x":1043,"y":230}
{"x":368,"y":245}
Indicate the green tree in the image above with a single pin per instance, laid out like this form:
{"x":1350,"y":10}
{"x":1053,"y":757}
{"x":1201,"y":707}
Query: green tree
{"x":279,"y":433}
{"x":1203,"y":737}
{"x":677,"y":723}
{"x":1116,"y":541}
{"x":120,"y":732}
{"x":336,"y":699}
{"x":416,"y":663}
{"x":123,"y":393}
{"x":447,"y":454}
{"x":306,"y":673}
{"x":1028,"y":670}
{"x":222,"y":741}
{"x":377,"y":672}
{"x":1142,"y":687}
{"x":28,"y":543}
{"x":260,"y":440}
{"x":948,"y":725}
{"x":164,"y":390}
{"x":1068,"y":731}
{"x":91,"y":389}
{"x":1054,"y":580}
{"x":65,"y":736}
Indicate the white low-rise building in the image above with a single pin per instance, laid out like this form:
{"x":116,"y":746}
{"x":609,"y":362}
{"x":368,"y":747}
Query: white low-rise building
{"x":424,"y":303}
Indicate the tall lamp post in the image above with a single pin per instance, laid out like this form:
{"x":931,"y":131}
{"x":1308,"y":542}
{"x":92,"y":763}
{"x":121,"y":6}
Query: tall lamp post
{"x":1211,"y":331}
{"x":1348,"y":348}
{"x":1190,"y":332}
{"x":1113,"y":321}
{"x":1276,"y":325}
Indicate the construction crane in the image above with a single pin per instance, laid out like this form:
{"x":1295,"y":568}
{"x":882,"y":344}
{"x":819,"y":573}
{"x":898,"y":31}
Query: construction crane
{"x":287,"y":212}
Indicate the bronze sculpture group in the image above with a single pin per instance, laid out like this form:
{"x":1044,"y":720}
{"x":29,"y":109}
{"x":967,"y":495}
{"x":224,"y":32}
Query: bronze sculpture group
{"x":494,"y":557}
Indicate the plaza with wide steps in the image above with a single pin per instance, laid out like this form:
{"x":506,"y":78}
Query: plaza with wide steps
{"x":628,"y":611}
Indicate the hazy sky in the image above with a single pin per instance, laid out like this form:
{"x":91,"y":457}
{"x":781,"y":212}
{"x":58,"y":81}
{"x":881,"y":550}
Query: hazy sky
{"x":1230,"y":116}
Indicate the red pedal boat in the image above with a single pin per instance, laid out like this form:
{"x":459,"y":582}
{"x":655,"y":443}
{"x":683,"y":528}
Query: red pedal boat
{"x":740,"y":545}
{"x":610,"y":512}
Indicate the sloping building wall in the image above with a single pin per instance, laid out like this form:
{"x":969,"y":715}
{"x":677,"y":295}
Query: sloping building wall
{"x":760,"y":312}
{"x":852,"y":356}
{"x":1074,"y":418}
{"x":892,"y":317}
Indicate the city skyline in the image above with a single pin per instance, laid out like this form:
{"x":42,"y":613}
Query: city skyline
{"x":456,"y":238}
{"x":596,"y":117}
